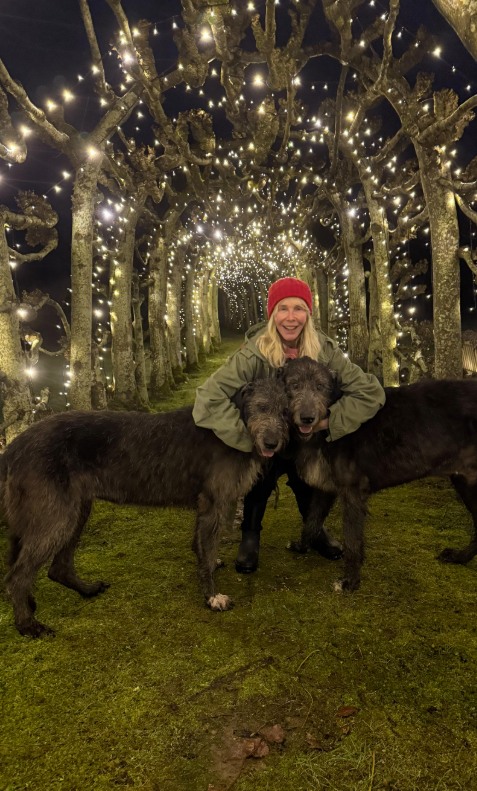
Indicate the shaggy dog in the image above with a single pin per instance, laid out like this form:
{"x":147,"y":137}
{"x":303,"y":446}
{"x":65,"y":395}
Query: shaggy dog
{"x":427,"y":428}
{"x":52,"y":472}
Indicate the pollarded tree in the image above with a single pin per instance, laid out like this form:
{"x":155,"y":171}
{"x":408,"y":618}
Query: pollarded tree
{"x":37,"y":219}
{"x":462,"y":16}
{"x":87,"y":154}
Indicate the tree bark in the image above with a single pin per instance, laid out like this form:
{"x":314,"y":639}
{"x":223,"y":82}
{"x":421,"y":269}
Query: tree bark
{"x":84,"y":194}
{"x":17,"y":405}
{"x":462,"y":16}
{"x":323,"y":311}
{"x":174,"y":299}
{"x":159,"y":383}
{"x":121,"y":309}
{"x":374,"y":365}
{"x":213,"y":312}
{"x":384,"y":294}
{"x":190,"y":322}
{"x":444,"y":235}
{"x":358,"y":325}
{"x":140,"y":374}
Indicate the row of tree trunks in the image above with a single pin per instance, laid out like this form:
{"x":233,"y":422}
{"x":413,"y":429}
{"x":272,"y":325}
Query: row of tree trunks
{"x":17,"y":406}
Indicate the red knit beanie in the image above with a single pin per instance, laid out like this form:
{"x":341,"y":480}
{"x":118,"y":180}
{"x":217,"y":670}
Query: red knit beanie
{"x":287,"y":287}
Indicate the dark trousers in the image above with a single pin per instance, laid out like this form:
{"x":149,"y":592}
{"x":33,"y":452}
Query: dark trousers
{"x":255,"y":502}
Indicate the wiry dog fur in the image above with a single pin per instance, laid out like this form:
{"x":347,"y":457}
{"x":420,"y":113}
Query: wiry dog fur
{"x":427,"y":428}
{"x":51,"y":474}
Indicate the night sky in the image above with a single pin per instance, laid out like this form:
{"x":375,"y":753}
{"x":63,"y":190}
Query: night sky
{"x":44,"y":46}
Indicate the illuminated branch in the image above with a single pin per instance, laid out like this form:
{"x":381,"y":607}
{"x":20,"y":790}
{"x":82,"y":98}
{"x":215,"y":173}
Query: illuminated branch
{"x":338,"y":119}
{"x":388,"y":48}
{"x":56,"y":138}
{"x":466,"y":256}
{"x":472,"y":215}
{"x":98,"y":69}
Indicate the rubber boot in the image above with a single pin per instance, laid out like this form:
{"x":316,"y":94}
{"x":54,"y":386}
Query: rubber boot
{"x":323,"y":543}
{"x":247,"y":557}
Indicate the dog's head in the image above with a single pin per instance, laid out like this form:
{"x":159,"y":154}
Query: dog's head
{"x":311,"y":388}
{"x":263,"y":407}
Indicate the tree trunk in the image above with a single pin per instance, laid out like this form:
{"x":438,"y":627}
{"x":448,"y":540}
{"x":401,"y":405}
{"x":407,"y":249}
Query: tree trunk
{"x":174,"y":299}
{"x":16,"y":397}
{"x":374,"y":365}
{"x":213,"y":311}
{"x":358,"y":326}
{"x":98,"y":389}
{"x":331,"y":302}
{"x":322,"y":297}
{"x":138,"y":344}
{"x":385,"y":302}
{"x":246,"y":309}
{"x":254,"y":303}
{"x":189,"y":320}
{"x":83,"y":200}
{"x":263,"y":302}
{"x":444,"y":236}
{"x":203,"y":313}
{"x":121,"y":311}
{"x":160,"y":382}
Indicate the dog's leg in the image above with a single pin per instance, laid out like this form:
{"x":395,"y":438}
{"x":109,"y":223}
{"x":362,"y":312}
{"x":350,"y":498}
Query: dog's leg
{"x":205,"y":545}
{"x":313,"y":535}
{"x":354,"y":514}
{"x":15,"y":547}
{"x":62,"y":568}
{"x":19,"y":586}
{"x":468,"y":495}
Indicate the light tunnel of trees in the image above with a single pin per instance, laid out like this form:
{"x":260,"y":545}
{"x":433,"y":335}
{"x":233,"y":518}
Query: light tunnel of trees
{"x":307,"y":137}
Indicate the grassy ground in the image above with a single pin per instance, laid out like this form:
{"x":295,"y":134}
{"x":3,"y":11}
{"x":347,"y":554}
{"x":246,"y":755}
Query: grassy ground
{"x":297,"y":688}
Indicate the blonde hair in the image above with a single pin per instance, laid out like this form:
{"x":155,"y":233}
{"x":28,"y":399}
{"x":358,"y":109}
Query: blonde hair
{"x":271,"y":346}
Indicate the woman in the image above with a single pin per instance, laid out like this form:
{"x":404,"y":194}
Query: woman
{"x":289,"y":333}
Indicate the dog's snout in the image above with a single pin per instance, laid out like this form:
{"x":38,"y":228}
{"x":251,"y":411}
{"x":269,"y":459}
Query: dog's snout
{"x":306,"y":420}
{"x":271,"y":445}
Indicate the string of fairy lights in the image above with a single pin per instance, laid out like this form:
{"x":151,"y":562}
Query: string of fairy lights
{"x":255,"y":235}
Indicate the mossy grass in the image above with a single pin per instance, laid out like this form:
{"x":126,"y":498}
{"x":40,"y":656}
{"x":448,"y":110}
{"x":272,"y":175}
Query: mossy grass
{"x":144,"y":688}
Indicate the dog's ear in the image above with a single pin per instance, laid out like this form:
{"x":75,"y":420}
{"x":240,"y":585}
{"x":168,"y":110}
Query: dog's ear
{"x":241,"y":394}
{"x":280,"y":373}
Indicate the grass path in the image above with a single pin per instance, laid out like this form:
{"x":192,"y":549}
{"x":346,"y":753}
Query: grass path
{"x":296,"y":689}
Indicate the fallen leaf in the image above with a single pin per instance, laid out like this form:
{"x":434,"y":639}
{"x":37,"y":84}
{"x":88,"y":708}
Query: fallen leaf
{"x":347,"y":711}
{"x":313,"y":742}
{"x":274,"y":734}
{"x":256,"y":747}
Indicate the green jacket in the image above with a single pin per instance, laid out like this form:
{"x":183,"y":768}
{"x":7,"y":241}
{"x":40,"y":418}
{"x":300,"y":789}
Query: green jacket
{"x":213,"y":408}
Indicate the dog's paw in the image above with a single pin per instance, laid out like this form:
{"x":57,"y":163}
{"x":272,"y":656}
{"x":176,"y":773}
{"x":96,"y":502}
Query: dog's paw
{"x":91,"y":589}
{"x":450,"y":555}
{"x":35,"y":629}
{"x":331,"y":550}
{"x":220,"y":602}
{"x":345,"y":584}
{"x":298,"y":547}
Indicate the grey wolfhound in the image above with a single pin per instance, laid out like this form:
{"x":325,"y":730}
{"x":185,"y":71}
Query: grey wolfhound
{"x":52,"y":472}
{"x":427,"y":428}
